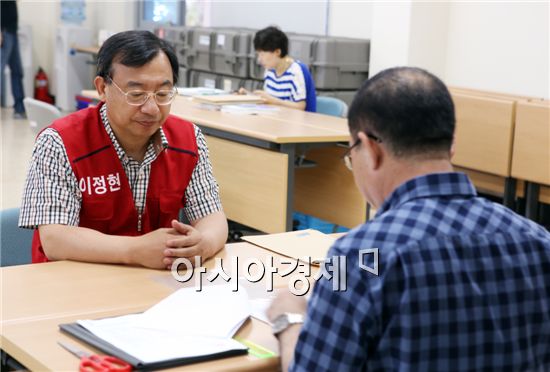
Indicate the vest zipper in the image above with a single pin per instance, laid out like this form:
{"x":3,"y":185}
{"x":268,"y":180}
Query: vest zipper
{"x":139,"y":223}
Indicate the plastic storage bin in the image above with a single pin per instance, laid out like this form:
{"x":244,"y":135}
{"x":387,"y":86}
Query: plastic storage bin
{"x":231,"y":83}
{"x":231,"y":51}
{"x":339,"y":63}
{"x":197,"y":48}
{"x":171,"y":34}
{"x":255,"y":84}
{"x":255,"y":70}
{"x":300,"y":47}
{"x":183,"y":77}
{"x":203,"y":79}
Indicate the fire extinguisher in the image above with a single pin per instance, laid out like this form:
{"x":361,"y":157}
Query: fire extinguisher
{"x":41,"y":92}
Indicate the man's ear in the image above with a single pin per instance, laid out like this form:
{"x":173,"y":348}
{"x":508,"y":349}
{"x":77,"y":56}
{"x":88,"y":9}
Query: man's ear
{"x":372,"y":150}
{"x":277,"y":52}
{"x":100,"y":84}
{"x":453,"y":148}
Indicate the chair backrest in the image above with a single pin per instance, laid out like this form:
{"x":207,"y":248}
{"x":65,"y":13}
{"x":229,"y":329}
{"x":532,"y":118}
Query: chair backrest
{"x":331,"y":106}
{"x":311,"y":101}
{"x":531,"y":154}
{"x":15,"y":243}
{"x":40,"y":114}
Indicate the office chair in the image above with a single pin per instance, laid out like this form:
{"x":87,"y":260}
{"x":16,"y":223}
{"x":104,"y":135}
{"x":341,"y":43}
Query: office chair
{"x":15,"y":243}
{"x":331,"y":106}
{"x":40,"y":114}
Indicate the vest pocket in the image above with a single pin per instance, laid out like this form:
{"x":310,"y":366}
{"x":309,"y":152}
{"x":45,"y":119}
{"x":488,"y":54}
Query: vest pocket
{"x":97,"y":215}
{"x":170,"y":204}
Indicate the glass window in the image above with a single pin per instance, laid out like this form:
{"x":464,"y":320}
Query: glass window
{"x":155,"y":13}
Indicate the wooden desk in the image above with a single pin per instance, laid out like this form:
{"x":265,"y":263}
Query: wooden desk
{"x":253,"y":159}
{"x":37,"y":298}
{"x":531,"y":159}
{"x":34,"y":344}
{"x":86,"y":49}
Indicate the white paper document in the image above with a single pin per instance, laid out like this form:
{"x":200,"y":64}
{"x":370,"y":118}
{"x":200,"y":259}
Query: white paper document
{"x":185,"y":324}
{"x":249,"y":109}
{"x":200,"y":91}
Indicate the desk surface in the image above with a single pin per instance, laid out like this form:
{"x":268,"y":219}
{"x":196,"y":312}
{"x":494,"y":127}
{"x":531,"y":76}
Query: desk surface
{"x":282,"y":126}
{"x":34,"y":343}
{"x":86,"y":49}
{"x":37,"y":298}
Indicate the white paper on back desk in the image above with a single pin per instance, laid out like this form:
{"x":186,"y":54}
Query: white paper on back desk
{"x":187,"y":323}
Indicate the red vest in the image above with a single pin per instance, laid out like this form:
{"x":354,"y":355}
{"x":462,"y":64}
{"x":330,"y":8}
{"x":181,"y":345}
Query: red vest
{"x":107,"y":201}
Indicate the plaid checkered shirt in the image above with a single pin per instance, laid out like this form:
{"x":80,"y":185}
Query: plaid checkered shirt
{"x":462,"y":284}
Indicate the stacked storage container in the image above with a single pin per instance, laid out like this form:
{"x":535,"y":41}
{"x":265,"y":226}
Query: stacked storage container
{"x":338,"y":65}
{"x":225,"y":58}
{"x":231,"y":50}
{"x":176,"y":36}
{"x":197,"y":49}
{"x":203,"y":79}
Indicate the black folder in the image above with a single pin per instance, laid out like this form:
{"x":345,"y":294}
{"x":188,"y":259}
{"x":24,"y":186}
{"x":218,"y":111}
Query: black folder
{"x":81,"y":333}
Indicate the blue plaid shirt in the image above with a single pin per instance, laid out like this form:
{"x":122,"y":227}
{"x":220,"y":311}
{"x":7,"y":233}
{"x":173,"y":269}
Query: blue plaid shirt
{"x":463,"y":284}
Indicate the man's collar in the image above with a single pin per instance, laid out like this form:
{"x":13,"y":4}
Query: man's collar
{"x":158,"y":139}
{"x":429,"y":185}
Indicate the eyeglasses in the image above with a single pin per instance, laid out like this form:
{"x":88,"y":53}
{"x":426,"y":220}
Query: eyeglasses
{"x":347,"y":154}
{"x":139,"y":97}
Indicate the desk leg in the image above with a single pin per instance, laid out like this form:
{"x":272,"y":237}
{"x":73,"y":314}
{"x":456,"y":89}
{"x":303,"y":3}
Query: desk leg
{"x":532,"y":200}
{"x":290,"y":150}
{"x":509,"y":199}
{"x":7,"y":363}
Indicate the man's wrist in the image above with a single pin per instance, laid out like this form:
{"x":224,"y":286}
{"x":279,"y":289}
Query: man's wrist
{"x":131,"y":245}
{"x":284,"y":321}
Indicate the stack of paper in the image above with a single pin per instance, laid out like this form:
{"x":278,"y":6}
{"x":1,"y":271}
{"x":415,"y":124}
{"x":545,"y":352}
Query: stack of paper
{"x":249,"y":109}
{"x":200,"y":91}
{"x":186,"y":324}
{"x":225,"y":99}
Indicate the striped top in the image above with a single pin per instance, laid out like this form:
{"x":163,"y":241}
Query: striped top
{"x":291,"y":85}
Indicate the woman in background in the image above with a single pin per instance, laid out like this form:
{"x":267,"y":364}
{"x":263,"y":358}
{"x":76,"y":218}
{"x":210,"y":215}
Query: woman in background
{"x":286,"y":82}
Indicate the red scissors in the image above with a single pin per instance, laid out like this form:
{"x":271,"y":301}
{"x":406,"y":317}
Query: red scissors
{"x":97,"y":363}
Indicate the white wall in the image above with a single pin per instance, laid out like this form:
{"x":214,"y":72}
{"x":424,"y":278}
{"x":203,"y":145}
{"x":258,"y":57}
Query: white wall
{"x":42,"y":16}
{"x":429,"y":36}
{"x":496,"y":46}
{"x":390,"y":39}
{"x":350,"y":19}
{"x":111,"y":15}
{"x":501,"y":47}
{"x":296,"y":16}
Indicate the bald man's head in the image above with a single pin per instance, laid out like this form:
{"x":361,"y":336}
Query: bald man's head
{"x":409,"y":109}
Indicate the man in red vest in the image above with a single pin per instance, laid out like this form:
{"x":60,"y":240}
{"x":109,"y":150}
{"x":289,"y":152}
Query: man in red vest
{"x":106,"y":183}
